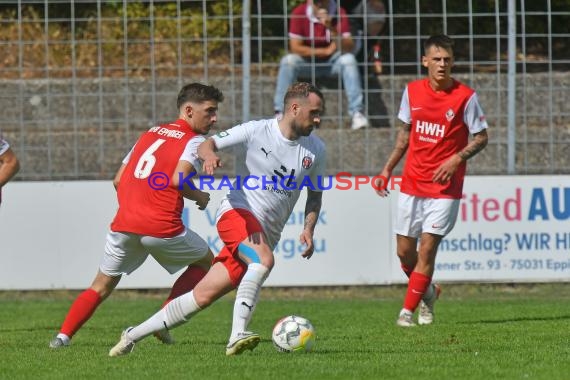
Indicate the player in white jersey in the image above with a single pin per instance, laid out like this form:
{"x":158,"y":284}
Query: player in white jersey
{"x":9,"y":164}
{"x":275,"y":158}
{"x":268,"y":161}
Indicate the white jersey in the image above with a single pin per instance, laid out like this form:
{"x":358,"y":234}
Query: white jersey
{"x":3,"y":146}
{"x":271,"y":171}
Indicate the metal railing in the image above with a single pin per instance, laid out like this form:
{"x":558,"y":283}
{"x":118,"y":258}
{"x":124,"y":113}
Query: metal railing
{"x":81,"y":79}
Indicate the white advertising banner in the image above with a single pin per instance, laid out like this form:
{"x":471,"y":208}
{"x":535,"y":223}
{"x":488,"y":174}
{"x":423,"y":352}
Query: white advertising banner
{"x":52,"y":236}
{"x":510,"y":228}
{"x":346,"y":241}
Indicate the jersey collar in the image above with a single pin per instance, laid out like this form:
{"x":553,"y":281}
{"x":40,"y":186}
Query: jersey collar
{"x":182,"y":124}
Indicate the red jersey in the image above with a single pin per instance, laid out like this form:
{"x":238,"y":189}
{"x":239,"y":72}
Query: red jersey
{"x":145,"y":207}
{"x":441,"y":122}
{"x":304,"y":25}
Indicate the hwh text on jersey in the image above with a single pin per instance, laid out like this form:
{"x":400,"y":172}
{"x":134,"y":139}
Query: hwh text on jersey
{"x":430,"y":129}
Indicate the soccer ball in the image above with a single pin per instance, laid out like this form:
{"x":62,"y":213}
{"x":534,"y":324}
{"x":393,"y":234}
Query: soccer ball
{"x":293,"y":333}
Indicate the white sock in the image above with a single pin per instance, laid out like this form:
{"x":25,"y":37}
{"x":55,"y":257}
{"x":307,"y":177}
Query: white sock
{"x":247,"y":296}
{"x":178,"y":311}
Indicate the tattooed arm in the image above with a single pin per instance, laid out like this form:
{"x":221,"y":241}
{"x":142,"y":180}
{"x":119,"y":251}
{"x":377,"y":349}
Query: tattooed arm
{"x":448,"y":168}
{"x":478,"y":143}
{"x":312,"y":211}
{"x":400,"y":148}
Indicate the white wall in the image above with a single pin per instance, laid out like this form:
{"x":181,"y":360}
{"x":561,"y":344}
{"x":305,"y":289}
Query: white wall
{"x":509,"y":229}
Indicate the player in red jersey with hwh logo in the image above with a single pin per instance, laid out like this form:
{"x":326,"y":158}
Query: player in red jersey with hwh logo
{"x":438,"y":115}
{"x":149,"y":218}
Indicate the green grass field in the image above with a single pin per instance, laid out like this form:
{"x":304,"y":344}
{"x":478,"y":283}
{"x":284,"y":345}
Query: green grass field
{"x":481,"y":332}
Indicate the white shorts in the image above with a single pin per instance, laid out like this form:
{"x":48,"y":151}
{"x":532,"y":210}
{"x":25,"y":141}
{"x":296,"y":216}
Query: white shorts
{"x":125,"y":252}
{"x":432,"y":215}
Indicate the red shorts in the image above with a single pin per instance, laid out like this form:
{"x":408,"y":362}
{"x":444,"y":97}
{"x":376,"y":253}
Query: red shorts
{"x":234,"y":227}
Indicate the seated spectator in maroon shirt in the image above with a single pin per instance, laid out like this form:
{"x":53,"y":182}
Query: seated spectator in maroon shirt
{"x":321,"y":45}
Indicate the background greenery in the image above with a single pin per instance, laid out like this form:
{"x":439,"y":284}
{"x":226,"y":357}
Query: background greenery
{"x":212,"y":15}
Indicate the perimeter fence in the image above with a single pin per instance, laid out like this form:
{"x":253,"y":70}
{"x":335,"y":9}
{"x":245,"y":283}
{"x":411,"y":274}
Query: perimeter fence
{"x":80,"y":80}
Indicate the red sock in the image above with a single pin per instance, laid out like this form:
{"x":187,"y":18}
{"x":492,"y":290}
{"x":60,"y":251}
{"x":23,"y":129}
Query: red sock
{"x":80,"y":311}
{"x":417,"y":286}
{"x":186,"y":282}
{"x":407,"y":270}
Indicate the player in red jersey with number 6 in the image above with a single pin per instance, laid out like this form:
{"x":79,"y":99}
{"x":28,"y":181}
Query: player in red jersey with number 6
{"x":149,"y":218}
{"x":438,"y":114}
